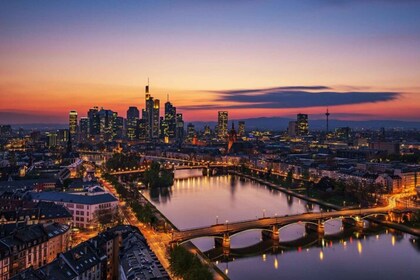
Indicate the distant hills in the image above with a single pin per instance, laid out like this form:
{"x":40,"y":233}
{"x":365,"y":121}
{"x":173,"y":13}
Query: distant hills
{"x":270,"y":123}
{"x":279,"y":123}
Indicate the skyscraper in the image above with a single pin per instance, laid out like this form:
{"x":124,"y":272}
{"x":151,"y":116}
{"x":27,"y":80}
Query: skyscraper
{"x":94,"y":123}
{"x":84,"y":128}
{"x":156,"y":119}
{"x":106,"y":124}
{"x":169,"y":122}
{"x":222,"y":124}
{"x":132,"y":118}
{"x":151,"y":115}
{"x":302,"y":127}
{"x":179,"y":129}
{"x":73,"y":123}
{"x":190,"y":131}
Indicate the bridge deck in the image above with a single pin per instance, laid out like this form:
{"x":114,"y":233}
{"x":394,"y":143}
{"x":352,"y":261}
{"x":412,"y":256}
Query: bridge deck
{"x":263,"y":223}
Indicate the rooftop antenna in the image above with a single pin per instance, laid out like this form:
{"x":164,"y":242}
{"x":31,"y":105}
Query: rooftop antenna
{"x":328,"y":115}
{"x":147,"y":87}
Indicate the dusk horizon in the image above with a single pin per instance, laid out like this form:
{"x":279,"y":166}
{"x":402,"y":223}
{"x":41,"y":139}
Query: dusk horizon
{"x":209,"y":139}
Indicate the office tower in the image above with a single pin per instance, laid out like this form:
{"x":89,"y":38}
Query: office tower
{"x":151,"y":115}
{"x":156,"y":119}
{"x":169,"y":122}
{"x":84,"y":127}
{"x":73,"y":123}
{"x":302,"y":127}
{"x":141,"y":131}
{"x":133,"y":116}
{"x":222,"y":124}
{"x":106,"y":124}
{"x":179,"y":128}
{"x":118,"y":127}
{"x":190,"y":131}
{"x":94,"y":123}
{"x":241,"y":129}
{"x":291,"y":129}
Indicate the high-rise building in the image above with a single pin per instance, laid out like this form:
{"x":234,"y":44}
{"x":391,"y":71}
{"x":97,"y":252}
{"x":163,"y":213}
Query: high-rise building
{"x":106,"y":124}
{"x":73,"y":123}
{"x":142,"y":132}
{"x":179,"y":128}
{"x":94,"y":122}
{"x":118,"y":129}
{"x":156,"y":119}
{"x":84,"y":128}
{"x":241,"y":129}
{"x":302,"y":127}
{"x":169,"y":123}
{"x":151,"y":115}
{"x":222,"y":124}
{"x":133,"y":116}
{"x":190,"y":131}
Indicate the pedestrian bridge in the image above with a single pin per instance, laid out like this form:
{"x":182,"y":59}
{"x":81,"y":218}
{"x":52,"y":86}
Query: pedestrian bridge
{"x":271,"y":226}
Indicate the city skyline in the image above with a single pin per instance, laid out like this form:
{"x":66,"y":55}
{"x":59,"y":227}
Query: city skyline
{"x":359,"y":58}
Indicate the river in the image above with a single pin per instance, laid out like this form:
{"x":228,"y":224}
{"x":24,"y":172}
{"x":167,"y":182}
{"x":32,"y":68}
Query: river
{"x":372,"y":253}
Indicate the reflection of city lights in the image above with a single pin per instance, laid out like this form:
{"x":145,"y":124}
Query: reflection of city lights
{"x":226,"y":271}
{"x":377,"y":236}
{"x":393,"y":240}
{"x":323,"y":243}
{"x":321,"y":255}
{"x":345,"y":243}
{"x":359,"y":247}
{"x":264,"y":257}
{"x":276,"y":263}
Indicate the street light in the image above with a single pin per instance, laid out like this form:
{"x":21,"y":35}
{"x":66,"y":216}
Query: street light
{"x":263,"y":213}
{"x":217,"y":220}
{"x":275,"y":215}
{"x":227,"y":225}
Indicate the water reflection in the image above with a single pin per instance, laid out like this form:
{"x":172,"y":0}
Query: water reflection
{"x":195,"y":202}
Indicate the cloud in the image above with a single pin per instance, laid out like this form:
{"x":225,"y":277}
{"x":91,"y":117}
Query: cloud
{"x":293,"y":97}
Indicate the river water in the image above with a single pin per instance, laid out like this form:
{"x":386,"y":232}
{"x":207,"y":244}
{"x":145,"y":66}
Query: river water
{"x":372,"y":253}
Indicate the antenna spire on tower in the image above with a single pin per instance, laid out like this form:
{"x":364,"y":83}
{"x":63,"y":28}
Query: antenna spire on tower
{"x":327,"y":114}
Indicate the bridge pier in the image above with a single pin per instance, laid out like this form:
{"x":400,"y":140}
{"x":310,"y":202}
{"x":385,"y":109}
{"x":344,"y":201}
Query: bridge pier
{"x":353,"y":222}
{"x":224,"y":242}
{"x":318,"y":228}
{"x":273,"y":233}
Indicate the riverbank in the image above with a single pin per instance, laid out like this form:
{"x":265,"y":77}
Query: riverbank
{"x":217,"y":273}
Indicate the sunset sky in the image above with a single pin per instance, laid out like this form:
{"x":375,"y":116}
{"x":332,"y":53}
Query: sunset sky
{"x":361,"y":58}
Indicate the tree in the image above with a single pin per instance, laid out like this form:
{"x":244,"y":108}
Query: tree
{"x":156,"y":177}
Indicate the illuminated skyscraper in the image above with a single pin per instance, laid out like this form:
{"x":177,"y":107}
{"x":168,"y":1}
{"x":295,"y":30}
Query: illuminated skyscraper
{"x":179,"y":129}
{"x":302,"y":127}
{"x":222,"y":124}
{"x":156,"y":119}
{"x":132,"y":118}
{"x":84,"y":128}
{"x":151,"y":115}
{"x":94,"y":123}
{"x":190,"y":131}
{"x":169,"y":122}
{"x":73,"y":123}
